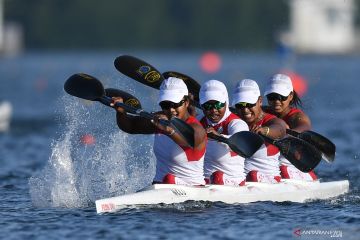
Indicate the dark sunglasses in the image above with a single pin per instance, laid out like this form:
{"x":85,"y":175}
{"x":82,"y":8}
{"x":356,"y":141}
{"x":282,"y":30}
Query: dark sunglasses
{"x":168,"y":104}
{"x":275,"y":96}
{"x":214,"y":105}
{"x":241,"y":105}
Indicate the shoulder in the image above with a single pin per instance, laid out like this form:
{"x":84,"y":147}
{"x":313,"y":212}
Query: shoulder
{"x":272,"y":119}
{"x":269,"y":117}
{"x":237,"y":125}
{"x":295,"y":111}
{"x":195,"y":123}
{"x":296,"y":115}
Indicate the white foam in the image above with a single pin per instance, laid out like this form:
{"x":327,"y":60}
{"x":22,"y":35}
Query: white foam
{"x":76,"y":174}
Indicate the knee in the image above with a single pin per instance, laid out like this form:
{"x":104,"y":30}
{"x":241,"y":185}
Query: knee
{"x":217,"y":178}
{"x":169,"y":179}
{"x":252,"y":176}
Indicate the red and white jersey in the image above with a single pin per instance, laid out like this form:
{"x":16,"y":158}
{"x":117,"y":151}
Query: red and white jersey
{"x":218,"y":156}
{"x":185,"y":163}
{"x":266,"y":159}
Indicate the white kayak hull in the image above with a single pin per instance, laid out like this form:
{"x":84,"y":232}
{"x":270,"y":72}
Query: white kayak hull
{"x":287,"y":190}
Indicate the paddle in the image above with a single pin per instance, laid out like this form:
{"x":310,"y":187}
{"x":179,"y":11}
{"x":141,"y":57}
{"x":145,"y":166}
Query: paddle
{"x":301,"y":154}
{"x":146,"y":74}
{"x":324,"y":145}
{"x":87,"y":87}
{"x":244,"y":143}
{"x":139,"y":70}
{"x":127,"y":97}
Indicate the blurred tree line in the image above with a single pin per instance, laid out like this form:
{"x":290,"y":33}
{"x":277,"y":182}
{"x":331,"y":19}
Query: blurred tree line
{"x":192,"y":24}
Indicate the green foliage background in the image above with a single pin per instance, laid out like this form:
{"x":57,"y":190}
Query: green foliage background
{"x":143,"y":24}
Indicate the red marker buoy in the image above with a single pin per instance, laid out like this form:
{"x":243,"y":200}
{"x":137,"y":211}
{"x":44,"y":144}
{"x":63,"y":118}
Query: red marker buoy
{"x":88,"y":139}
{"x":210,"y":62}
{"x":299,"y":83}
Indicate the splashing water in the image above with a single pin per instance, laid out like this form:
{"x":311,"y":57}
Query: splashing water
{"x":76,"y":175}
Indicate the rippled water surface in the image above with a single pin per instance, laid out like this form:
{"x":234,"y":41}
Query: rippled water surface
{"x":49,"y":179}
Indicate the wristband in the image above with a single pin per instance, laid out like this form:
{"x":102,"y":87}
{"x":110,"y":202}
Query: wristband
{"x":267,"y":131}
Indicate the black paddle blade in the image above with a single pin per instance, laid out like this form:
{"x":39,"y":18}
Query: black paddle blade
{"x":324,"y":145}
{"x":84,"y":86}
{"x":245,"y":143}
{"x":192,"y":85}
{"x":139,"y":70}
{"x":127,"y":97}
{"x":184,"y":129}
{"x":301,"y":154}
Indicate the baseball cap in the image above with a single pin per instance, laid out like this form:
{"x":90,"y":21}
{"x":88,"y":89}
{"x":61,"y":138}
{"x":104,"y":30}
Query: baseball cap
{"x":280,"y":84}
{"x":172,"y":89}
{"x":213,"y":90}
{"x":246,"y":90}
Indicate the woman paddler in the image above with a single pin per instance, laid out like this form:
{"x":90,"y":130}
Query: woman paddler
{"x":263,"y":166}
{"x":284,"y":102}
{"x":222,"y":166}
{"x":177,"y":163}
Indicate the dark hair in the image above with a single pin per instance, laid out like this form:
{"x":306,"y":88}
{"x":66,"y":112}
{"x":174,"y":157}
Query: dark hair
{"x":296,"y":101}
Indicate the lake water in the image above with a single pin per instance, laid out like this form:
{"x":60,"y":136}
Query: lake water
{"x":49,"y":179}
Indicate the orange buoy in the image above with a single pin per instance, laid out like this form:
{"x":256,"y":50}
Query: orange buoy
{"x":210,"y":62}
{"x":88,"y":139}
{"x":299,"y":83}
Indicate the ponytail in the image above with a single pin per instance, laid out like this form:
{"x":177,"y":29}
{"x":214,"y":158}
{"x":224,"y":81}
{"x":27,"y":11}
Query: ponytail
{"x":296,"y":101}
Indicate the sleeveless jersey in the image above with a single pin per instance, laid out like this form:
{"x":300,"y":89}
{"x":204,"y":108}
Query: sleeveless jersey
{"x":292,"y":112}
{"x":183,"y":162}
{"x":264,"y":160}
{"x":218,"y":156}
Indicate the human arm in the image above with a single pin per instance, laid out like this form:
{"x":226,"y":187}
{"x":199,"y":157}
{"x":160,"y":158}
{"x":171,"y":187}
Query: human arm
{"x":274,"y":128}
{"x":131,"y":124}
{"x":299,"y":122}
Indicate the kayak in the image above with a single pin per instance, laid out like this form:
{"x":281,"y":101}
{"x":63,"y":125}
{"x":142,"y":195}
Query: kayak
{"x":5,"y":115}
{"x":286,"y":190}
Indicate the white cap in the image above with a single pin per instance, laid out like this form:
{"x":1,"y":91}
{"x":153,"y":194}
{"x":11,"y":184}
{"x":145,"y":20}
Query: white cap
{"x":213,"y":90}
{"x":246,"y":90}
{"x":280,"y":84}
{"x":173,"y":90}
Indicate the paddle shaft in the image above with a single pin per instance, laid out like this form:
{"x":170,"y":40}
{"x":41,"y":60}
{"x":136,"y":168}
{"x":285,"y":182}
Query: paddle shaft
{"x":107,"y":100}
{"x":218,"y":138}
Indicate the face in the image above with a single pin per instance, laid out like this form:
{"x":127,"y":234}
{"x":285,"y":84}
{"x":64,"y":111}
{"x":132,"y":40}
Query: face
{"x":279,"y":103}
{"x":214,"y":110}
{"x":249,"y":112}
{"x":172,"y":109}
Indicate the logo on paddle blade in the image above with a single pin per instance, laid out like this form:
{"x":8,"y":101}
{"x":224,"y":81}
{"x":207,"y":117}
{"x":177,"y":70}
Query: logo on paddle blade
{"x":152,"y":76}
{"x":133,"y":102}
{"x":85,"y":76}
{"x":143,"y":70}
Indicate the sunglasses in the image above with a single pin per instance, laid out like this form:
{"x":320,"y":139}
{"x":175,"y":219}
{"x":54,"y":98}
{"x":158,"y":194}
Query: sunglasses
{"x":241,"y":105}
{"x":168,"y":104}
{"x":213,"y":105}
{"x":275,"y":96}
